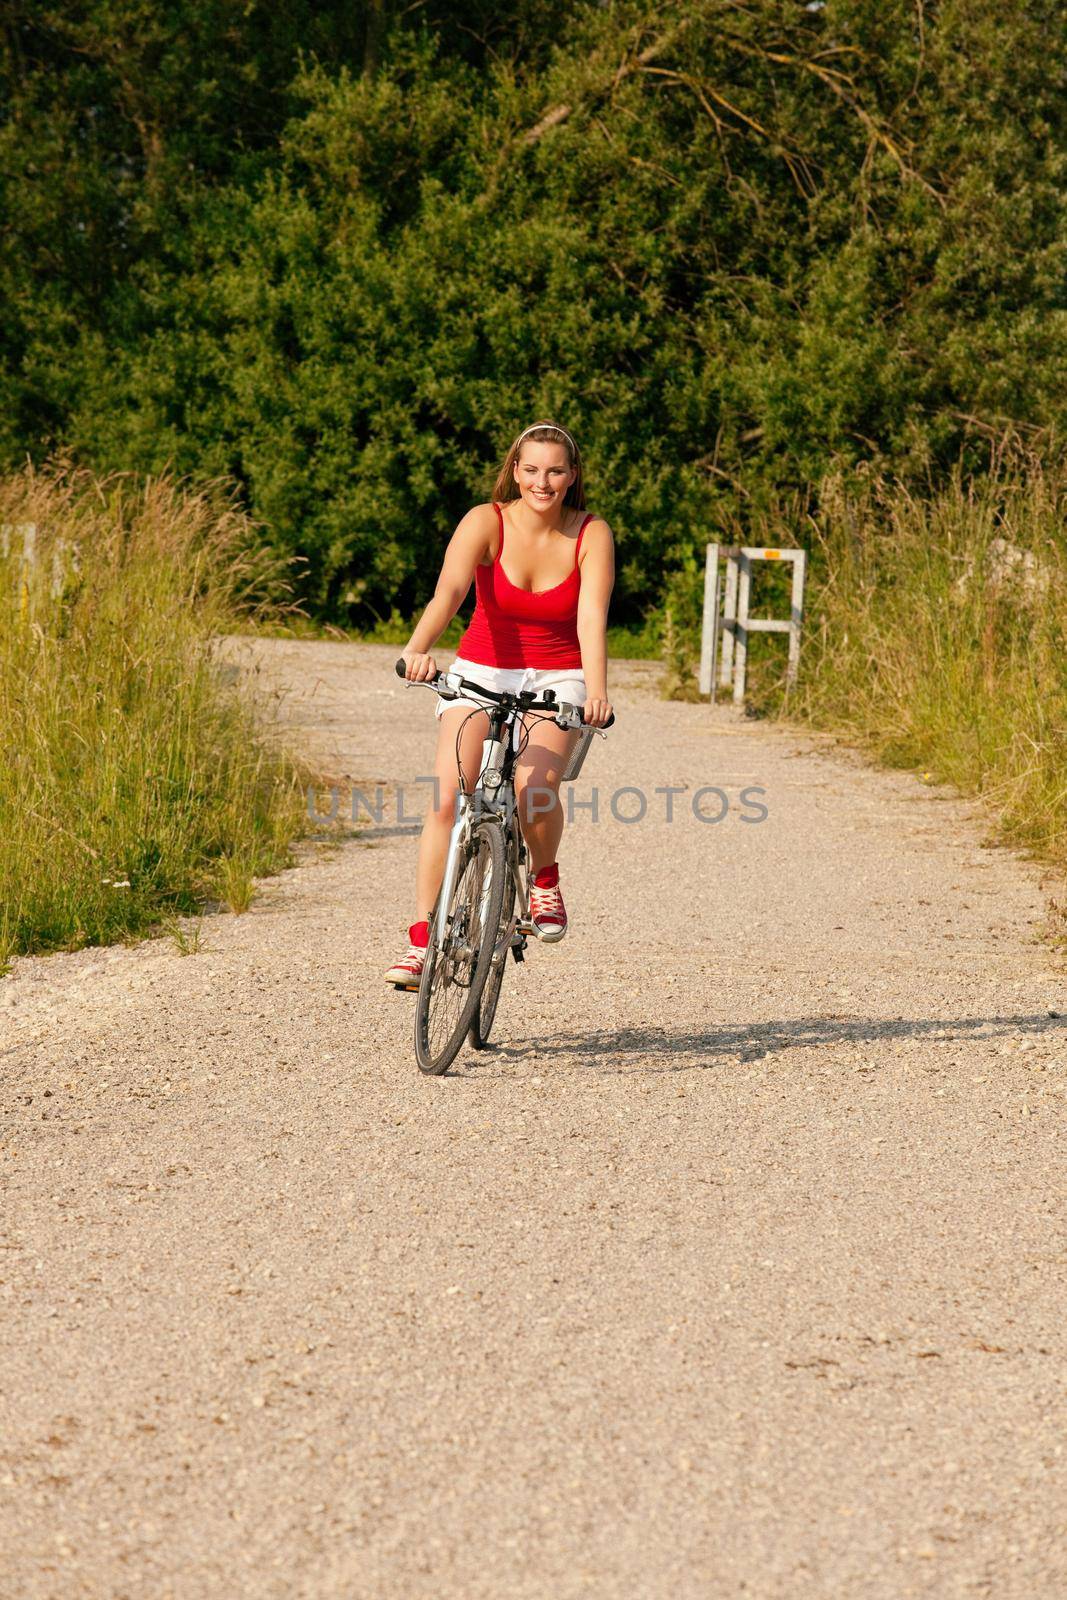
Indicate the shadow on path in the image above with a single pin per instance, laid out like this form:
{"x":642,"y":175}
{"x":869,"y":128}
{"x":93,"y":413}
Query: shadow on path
{"x":606,"y":1050}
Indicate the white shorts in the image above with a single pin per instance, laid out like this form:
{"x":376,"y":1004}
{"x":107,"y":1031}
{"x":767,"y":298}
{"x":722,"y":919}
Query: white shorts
{"x":568,"y":682}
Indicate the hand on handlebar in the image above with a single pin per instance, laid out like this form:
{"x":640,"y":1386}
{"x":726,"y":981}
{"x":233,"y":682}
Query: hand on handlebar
{"x":420,"y":665}
{"x":597,"y":713}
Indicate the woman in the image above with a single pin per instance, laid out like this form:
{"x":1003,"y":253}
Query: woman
{"x":543,"y":569}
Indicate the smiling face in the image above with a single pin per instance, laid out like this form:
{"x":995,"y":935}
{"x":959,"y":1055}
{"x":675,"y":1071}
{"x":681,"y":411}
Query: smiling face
{"x":543,"y":473}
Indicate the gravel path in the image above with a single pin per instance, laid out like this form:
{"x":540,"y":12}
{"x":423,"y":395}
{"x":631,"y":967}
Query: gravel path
{"x":737,"y":1269}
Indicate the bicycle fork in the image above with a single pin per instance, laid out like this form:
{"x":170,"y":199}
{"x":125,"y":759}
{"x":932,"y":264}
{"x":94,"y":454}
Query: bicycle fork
{"x":467,"y":806}
{"x":456,"y":840}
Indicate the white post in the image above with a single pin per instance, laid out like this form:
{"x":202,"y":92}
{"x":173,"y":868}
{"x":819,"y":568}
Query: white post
{"x":27,"y":532}
{"x":29,"y":559}
{"x":741,"y":643}
{"x":729,"y":621}
{"x":796,"y":614}
{"x":710,"y":623}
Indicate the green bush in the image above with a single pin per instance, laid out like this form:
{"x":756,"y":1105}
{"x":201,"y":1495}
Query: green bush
{"x":728,"y":245}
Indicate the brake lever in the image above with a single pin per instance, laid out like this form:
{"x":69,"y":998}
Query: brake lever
{"x":439,"y":682}
{"x":579,"y":726}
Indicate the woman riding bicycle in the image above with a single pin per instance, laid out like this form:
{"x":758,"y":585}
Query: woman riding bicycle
{"x":540,"y":623}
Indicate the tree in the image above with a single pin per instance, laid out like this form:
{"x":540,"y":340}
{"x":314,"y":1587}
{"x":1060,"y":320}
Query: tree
{"x":727,"y":243}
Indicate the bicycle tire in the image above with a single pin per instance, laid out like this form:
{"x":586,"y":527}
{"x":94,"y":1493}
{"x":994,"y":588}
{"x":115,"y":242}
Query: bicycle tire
{"x":482,"y":1023}
{"x":473,"y":913}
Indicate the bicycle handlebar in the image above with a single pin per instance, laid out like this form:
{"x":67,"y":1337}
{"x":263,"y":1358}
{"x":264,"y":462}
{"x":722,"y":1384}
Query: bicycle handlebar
{"x":491,"y":694}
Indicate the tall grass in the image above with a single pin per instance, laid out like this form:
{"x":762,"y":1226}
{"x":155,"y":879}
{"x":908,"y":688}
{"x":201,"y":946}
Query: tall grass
{"x":936,"y":636}
{"x":134,"y":784}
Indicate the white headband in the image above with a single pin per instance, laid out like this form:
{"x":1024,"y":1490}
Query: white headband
{"x":556,"y":428}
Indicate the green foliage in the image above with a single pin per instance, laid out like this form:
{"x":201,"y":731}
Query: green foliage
{"x":340,"y":254}
{"x":682,"y":609}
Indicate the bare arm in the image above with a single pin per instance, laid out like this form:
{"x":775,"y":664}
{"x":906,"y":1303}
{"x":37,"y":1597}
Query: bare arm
{"x":467,"y":546}
{"x":598,"y":580}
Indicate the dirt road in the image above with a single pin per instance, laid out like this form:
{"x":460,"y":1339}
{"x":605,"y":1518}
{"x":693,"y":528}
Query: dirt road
{"x":737,"y":1269}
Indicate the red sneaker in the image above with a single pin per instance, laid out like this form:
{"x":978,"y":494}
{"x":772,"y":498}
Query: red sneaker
{"x":407,"y":972}
{"x":547,"y":911}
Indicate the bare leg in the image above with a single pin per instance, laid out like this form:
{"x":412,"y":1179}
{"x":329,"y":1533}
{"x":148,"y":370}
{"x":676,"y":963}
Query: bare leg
{"x":537,"y":779}
{"x":433,"y":845}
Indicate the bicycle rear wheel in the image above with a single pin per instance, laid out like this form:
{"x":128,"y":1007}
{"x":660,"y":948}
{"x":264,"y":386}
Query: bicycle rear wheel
{"x":454,"y":972}
{"x":486,"y":1010}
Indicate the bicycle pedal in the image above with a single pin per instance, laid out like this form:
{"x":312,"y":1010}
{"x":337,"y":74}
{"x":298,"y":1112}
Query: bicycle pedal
{"x":519,"y":951}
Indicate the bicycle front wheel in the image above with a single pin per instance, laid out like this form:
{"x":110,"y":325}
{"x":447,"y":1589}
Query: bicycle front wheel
{"x":455,"y":970}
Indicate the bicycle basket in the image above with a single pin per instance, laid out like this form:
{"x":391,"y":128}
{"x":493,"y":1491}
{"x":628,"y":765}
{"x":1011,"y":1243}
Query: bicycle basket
{"x":577,"y":756}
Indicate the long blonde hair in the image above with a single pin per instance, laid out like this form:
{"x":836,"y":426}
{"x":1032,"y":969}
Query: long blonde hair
{"x":506,"y":488}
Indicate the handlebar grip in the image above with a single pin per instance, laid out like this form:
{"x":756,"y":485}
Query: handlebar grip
{"x":402,"y":672}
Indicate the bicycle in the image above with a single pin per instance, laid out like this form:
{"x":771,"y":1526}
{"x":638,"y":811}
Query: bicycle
{"x":482,"y":909}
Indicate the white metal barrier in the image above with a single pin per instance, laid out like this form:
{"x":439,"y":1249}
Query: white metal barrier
{"x":729,"y":633}
{"x":18,"y":542}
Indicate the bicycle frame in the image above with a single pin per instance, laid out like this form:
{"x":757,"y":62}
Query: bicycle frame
{"x":494,"y":792}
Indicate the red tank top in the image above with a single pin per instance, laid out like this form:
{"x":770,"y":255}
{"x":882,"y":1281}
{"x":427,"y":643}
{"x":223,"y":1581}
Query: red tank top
{"x":514,"y":627}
